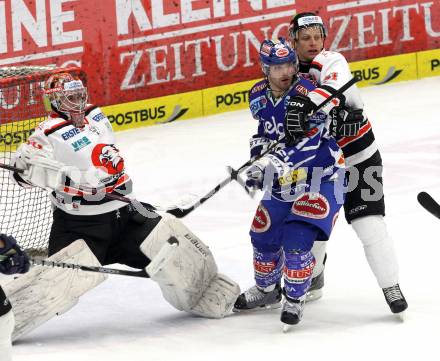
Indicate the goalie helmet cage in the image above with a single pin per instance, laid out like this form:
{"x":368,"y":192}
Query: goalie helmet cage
{"x":25,"y":213}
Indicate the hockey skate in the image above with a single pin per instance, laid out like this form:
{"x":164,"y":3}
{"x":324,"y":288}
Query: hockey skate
{"x":256,"y":298}
{"x":396,"y":300}
{"x":315,"y":291}
{"x":292,"y":312}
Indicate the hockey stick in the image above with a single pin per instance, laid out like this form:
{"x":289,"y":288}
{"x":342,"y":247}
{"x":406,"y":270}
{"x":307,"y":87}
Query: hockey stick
{"x":180,"y":213}
{"x":427,"y":202}
{"x":112,"y":271}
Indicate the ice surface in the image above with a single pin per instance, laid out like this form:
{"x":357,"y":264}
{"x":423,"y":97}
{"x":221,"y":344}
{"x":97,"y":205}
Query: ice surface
{"x":126,"y":318}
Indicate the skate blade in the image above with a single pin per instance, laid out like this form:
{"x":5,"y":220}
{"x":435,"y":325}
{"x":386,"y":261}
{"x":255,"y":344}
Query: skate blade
{"x":401,"y":316}
{"x":273,"y":306}
{"x":286,"y":328}
{"x":313,"y":295}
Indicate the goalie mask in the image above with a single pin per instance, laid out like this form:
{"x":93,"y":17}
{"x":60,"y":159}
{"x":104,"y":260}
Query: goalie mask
{"x":66,"y":94}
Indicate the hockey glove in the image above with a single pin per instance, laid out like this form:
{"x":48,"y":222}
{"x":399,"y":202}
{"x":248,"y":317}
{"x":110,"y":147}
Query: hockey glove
{"x":12,"y":258}
{"x":255,"y":174}
{"x":298,"y":109}
{"x":346,"y":123}
{"x":39,"y":168}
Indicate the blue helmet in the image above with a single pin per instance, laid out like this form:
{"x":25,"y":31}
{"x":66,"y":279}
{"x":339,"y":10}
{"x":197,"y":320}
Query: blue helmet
{"x":276,"y":52}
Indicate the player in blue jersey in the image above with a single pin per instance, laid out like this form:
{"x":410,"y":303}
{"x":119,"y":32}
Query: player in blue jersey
{"x":12,"y":260}
{"x":303,"y":183}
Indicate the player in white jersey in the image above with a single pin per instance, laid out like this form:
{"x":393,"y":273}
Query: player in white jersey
{"x":12,"y":260}
{"x":74,"y":156}
{"x":364,"y":205}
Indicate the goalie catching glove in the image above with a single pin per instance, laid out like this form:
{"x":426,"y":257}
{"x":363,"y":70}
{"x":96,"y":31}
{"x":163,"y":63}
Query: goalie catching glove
{"x":12,"y":258}
{"x":39,"y":168}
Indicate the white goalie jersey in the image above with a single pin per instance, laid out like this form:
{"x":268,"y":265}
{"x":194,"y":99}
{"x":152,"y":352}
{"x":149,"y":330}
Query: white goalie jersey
{"x":90,"y":162}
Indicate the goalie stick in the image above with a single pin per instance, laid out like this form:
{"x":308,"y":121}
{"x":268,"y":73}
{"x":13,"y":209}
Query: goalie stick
{"x":427,"y":202}
{"x":113,"y":271}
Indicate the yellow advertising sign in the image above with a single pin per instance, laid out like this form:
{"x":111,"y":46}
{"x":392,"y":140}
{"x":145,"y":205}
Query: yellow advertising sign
{"x":155,"y":111}
{"x":227,"y":98}
{"x":385,"y":70}
{"x":428,"y":63}
{"x":14,"y":133}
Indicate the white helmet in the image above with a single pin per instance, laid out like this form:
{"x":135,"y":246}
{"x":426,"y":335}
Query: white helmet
{"x":65,"y":93}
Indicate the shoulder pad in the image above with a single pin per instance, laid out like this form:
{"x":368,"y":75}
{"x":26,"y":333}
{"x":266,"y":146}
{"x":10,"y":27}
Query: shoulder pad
{"x":326,"y":56}
{"x":95,"y":114}
{"x":90,"y":108}
{"x":53,"y":121}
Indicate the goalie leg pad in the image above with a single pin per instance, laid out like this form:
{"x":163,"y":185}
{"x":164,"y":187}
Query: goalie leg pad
{"x":185,"y":269}
{"x":44,"y":292}
{"x":218,"y":298}
{"x":6,"y":327}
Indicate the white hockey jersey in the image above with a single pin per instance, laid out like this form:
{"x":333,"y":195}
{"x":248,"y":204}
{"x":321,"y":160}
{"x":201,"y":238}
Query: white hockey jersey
{"x":90,"y":150}
{"x":330,"y":71}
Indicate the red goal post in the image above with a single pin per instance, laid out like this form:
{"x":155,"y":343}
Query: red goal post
{"x":25,"y":213}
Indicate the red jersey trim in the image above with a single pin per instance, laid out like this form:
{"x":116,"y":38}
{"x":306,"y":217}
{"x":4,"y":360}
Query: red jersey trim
{"x":347,"y":140}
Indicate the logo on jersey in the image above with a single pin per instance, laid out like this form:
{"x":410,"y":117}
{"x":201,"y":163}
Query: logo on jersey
{"x":94,"y":130}
{"x":257,"y":104}
{"x":311,"y":205}
{"x":70,"y":134}
{"x":301,"y":89}
{"x":98,"y":117}
{"x":81,"y":143}
{"x":258,"y":87}
{"x":106,"y":156}
{"x":293,"y":176}
{"x":261,"y":222}
{"x":331,"y":76}
{"x":273,"y":127}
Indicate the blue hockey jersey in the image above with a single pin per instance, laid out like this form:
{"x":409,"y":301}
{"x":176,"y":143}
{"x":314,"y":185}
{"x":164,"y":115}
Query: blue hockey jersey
{"x":304,"y":166}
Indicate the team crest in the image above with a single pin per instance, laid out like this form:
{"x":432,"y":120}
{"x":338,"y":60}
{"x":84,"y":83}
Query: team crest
{"x":261,"y":222}
{"x":106,"y":157}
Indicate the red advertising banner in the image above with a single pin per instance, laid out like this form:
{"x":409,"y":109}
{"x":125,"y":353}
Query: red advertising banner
{"x":141,"y":49}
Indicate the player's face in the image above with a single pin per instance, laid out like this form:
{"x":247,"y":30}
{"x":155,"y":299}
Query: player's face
{"x":309,"y":43}
{"x":281,"y":76}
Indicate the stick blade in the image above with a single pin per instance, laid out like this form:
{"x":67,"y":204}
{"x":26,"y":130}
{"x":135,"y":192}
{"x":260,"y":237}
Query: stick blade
{"x":180,"y":212}
{"x":427,"y":202}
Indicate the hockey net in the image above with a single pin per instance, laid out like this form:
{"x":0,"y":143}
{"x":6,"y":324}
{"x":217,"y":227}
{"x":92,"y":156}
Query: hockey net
{"x":25,"y":213}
